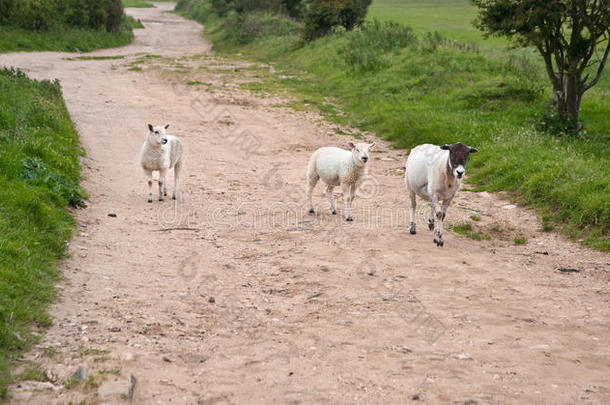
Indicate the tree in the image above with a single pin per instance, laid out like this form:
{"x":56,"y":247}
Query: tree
{"x":321,"y":16}
{"x":569,"y":35}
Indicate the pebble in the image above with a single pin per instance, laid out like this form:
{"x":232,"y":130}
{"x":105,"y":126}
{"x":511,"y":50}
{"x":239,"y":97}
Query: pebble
{"x":81,"y":373}
{"x":461,"y":356}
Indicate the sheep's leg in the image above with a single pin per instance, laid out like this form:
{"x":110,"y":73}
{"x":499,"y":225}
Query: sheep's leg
{"x":438,"y":233}
{"x":348,"y":197}
{"x":412,"y":213}
{"x":329,"y":194}
{"x":177,"y":169}
{"x":431,"y":218}
{"x":445,"y":205}
{"x":312,"y":180}
{"x":438,"y":236}
{"x":148,"y":174}
{"x":162,"y":175}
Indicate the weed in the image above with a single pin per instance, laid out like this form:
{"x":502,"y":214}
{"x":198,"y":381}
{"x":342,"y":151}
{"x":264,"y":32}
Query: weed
{"x":475,"y":217}
{"x":113,"y":371}
{"x":466,"y":230}
{"x":50,"y":352}
{"x":521,"y":240}
{"x":34,"y":372}
{"x":71,"y":383}
{"x":90,"y":351}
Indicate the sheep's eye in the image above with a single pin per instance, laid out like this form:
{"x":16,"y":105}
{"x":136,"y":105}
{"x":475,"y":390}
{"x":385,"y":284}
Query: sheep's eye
{"x":357,"y":150}
{"x":157,"y":132}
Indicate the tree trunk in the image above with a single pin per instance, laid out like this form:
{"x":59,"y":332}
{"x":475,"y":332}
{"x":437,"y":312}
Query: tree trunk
{"x":559,"y":93}
{"x":574,"y":95}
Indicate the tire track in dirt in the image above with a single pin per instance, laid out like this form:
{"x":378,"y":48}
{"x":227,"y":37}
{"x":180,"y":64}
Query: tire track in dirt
{"x":233,"y":294}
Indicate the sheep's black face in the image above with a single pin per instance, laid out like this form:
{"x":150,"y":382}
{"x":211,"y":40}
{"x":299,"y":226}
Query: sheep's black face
{"x":458,"y":157}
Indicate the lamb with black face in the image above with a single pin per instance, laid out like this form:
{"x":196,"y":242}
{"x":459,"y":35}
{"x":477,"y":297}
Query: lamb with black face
{"x":435,"y":174}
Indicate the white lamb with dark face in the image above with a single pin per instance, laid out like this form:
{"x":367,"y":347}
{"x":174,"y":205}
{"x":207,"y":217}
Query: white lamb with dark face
{"x":161,"y":152}
{"x":338,"y":167}
{"x":435,"y":173}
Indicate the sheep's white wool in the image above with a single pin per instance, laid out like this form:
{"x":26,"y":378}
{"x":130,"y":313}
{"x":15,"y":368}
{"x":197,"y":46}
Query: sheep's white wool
{"x":338,"y":167}
{"x":161,"y":152}
{"x":435,"y":173}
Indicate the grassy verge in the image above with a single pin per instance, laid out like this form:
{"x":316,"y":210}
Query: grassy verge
{"x":142,"y":3}
{"x":137,"y":4}
{"x":414,"y":87}
{"x":14,"y":39}
{"x":39,"y":174}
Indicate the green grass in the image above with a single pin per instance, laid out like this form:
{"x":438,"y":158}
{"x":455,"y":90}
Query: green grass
{"x":521,"y":240}
{"x":450,"y":18}
{"x":412,"y":88}
{"x":137,"y":4}
{"x":466,"y":230}
{"x":141,"y":3}
{"x":13,"y":39}
{"x":39,"y":175}
{"x":33,"y":372}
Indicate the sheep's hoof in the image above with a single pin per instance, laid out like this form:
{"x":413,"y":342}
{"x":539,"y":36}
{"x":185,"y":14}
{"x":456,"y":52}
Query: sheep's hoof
{"x":412,"y":231}
{"x":150,"y":200}
{"x":350,"y":219}
{"x":173,"y":197}
{"x":334,"y":212}
{"x":311,"y":211}
{"x":439,"y":242}
{"x":165,"y":193}
{"x":160,"y":198}
{"x":431,"y":225}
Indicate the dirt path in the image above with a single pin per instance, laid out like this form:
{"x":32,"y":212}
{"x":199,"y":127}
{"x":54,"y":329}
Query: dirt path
{"x":235,"y":295}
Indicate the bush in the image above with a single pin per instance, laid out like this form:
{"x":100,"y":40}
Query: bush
{"x":365,"y":47}
{"x":243,"y":28}
{"x":201,"y":10}
{"x":558,"y":124}
{"x":35,"y":14}
{"x":40,"y":15}
{"x":321,"y":16}
{"x":294,"y":8}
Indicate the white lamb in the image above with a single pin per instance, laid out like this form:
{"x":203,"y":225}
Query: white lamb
{"x":161,"y":152}
{"x":338,"y":167}
{"x":435,"y":173}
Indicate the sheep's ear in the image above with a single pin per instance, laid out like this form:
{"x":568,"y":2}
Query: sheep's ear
{"x":473,"y":150}
{"x":372,"y":145}
{"x":150,"y":127}
{"x":351,"y":144}
{"x":445,"y":147}
{"x":167,"y":126}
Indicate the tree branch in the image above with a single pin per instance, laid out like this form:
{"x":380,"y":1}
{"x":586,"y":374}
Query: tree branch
{"x":600,"y":68}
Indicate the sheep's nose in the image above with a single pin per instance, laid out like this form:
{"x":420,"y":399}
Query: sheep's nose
{"x":460,"y":173}
{"x":164,"y":141}
{"x":365,"y":158}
